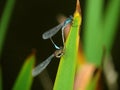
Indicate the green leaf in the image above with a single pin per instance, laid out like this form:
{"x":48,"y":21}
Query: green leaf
{"x":111,"y":21}
{"x":0,"y":78}
{"x":24,"y":80}
{"x":93,"y":32}
{"x":5,"y":19}
{"x":99,"y":30}
{"x":66,"y":71}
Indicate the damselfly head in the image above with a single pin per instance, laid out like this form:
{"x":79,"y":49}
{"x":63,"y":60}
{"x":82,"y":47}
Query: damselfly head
{"x":67,"y":21}
{"x":59,"y":53}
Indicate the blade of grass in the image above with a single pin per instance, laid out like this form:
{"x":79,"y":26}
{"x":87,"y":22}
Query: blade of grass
{"x":66,"y":71}
{"x":93,"y":32}
{"x":0,"y":78}
{"x":5,"y":21}
{"x":111,"y":19}
{"x":24,"y":80}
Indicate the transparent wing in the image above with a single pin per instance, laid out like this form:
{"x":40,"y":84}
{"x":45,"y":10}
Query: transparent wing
{"x":38,"y":69}
{"x":52,"y":31}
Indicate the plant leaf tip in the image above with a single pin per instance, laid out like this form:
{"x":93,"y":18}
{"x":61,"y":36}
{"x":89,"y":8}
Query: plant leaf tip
{"x":78,"y":9}
{"x":33,"y":51}
{"x":32,"y":54}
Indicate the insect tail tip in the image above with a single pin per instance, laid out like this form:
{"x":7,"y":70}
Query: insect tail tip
{"x":44,"y":37}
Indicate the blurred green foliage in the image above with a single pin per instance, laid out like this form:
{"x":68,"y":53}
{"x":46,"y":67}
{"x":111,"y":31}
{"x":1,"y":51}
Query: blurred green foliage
{"x":4,"y":22}
{"x":99,"y":29}
{"x":24,"y":79}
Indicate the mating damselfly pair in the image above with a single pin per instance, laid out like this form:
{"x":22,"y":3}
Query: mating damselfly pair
{"x":59,"y":50}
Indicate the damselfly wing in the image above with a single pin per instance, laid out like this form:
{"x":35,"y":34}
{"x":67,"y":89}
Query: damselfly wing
{"x":50,"y":33}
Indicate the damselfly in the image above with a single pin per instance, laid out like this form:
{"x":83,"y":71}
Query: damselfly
{"x":58,"y":53}
{"x":50,"y":33}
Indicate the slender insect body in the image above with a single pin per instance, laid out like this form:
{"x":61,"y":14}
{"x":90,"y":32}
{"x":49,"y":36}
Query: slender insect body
{"x":58,"y":53}
{"x":67,"y":21}
{"x":56,"y":47}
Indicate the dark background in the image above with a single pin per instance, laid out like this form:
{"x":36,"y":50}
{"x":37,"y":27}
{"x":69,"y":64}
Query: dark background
{"x":29,"y":20}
